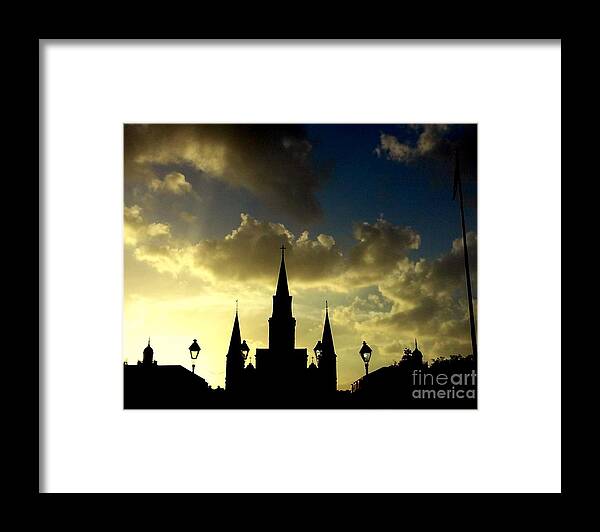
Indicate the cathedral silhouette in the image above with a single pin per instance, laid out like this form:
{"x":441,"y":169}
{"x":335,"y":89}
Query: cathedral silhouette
{"x":282,"y":378}
{"x":282,"y":369}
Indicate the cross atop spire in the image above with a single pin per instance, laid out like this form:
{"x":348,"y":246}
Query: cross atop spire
{"x":282,"y":284}
{"x":236,"y":306}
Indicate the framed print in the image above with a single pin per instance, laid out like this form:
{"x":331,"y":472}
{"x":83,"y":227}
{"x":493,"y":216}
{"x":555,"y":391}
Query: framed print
{"x":300,"y":266}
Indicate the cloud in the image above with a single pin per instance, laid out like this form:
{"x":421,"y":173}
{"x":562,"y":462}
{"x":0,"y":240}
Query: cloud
{"x":166,"y":258}
{"x":250,"y":253}
{"x":429,"y":142}
{"x":188,"y":217}
{"x":376,"y":291}
{"x":434,"y":149}
{"x":423,"y":298}
{"x":379,"y":248}
{"x":133,"y":214}
{"x":273,"y":162}
{"x":173,"y":182}
{"x":389,"y":297}
{"x":137,"y":231}
{"x":428,"y":297}
{"x":158,"y":229}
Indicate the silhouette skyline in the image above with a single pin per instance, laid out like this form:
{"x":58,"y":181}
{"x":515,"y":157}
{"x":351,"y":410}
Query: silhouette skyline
{"x":371,"y":244}
{"x":282,"y":377}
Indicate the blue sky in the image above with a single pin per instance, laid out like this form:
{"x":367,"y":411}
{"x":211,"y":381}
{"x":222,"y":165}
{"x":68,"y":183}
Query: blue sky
{"x":365,"y":185}
{"x":361,"y":186}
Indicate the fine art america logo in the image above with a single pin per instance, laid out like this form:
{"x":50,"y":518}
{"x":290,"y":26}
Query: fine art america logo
{"x":443,"y":385}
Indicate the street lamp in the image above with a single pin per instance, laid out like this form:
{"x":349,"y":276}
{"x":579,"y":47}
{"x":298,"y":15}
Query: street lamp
{"x":194,"y":352}
{"x":318,"y":349}
{"x":365,"y":353}
{"x":245,"y":350}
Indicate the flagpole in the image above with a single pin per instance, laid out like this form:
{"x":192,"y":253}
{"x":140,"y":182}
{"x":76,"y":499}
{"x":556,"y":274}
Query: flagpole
{"x":458,"y":183}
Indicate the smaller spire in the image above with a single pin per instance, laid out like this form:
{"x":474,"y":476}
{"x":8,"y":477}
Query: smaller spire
{"x":148,"y":340}
{"x":416,"y":347}
{"x":327,"y":337}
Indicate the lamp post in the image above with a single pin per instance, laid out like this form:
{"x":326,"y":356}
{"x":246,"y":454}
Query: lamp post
{"x":245,"y":351}
{"x":365,"y":353}
{"x":194,"y":352}
{"x":318,"y":349}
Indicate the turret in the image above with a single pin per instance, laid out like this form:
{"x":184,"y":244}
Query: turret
{"x":148,"y":354}
{"x":417,"y":355}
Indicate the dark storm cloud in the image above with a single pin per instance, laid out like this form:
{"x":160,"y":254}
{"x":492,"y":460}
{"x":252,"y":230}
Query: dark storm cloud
{"x":435,"y":145}
{"x":380,"y":246}
{"x":274,"y":162}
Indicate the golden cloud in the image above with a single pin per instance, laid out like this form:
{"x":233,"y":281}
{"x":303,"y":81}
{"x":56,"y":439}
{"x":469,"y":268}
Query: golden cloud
{"x":173,"y":182}
{"x":376,"y":291}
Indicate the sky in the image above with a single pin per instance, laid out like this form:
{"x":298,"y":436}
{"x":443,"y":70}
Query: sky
{"x":365,"y":212}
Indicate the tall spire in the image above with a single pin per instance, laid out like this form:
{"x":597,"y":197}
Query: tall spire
{"x":236,"y":336}
{"x":282,"y":325}
{"x":282,"y":284}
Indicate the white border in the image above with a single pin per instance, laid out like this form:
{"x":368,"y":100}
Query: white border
{"x":512,"y":443}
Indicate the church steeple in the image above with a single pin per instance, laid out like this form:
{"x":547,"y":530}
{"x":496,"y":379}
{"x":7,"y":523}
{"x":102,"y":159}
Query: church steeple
{"x":234,"y":365}
{"x":327,"y":339}
{"x":327,"y":362}
{"x":282,"y":325}
{"x":236,"y":336}
{"x":282,"y":283}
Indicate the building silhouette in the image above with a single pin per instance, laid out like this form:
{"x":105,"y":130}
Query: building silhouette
{"x":148,"y":384}
{"x":281,"y":369}
{"x":282,"y":378}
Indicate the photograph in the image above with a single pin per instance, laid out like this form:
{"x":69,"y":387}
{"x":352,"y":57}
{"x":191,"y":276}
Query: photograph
{"x":261,"y":270}
{"x":300,"y":266}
